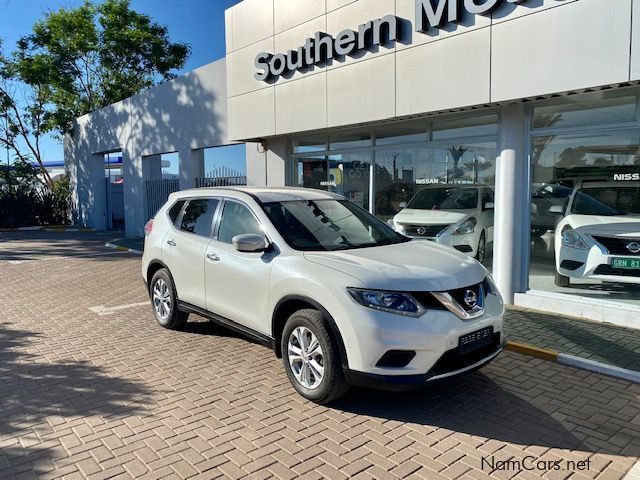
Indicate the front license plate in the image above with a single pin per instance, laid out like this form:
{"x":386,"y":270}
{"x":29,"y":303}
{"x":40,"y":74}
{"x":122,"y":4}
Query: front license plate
{"x":628,"y":263}
{"x":474,"y":340}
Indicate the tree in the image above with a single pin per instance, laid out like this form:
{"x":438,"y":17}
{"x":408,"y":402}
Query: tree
{"x":74,"y":62}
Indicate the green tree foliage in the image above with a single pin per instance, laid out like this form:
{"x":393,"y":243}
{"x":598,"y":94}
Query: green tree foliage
{"x":74,"y":62}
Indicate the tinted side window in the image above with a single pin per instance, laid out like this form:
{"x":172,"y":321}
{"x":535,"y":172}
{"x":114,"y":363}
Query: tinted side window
{"x":198,"y":216}
{"x":237,"y":220}
{"x":175,"y":211}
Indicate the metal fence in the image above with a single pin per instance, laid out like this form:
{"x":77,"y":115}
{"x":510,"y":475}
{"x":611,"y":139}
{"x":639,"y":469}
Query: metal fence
{"x":222,"y":177}
{"x":157,"y":192}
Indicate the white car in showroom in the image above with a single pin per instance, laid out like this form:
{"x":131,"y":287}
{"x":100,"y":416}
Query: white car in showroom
{"x":599,"y":237}
{"x":333,"y":290}
{"x":460,"y":216}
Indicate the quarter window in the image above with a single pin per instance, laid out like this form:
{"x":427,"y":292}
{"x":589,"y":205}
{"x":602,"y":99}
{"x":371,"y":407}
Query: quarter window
{"x":174,"y":211}
{"x":237,"y":220}
{"x":198,"y":216}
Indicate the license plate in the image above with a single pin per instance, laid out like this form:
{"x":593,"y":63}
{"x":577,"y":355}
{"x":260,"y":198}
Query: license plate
{"x":474,"y":340}
{"x":628,"y":263}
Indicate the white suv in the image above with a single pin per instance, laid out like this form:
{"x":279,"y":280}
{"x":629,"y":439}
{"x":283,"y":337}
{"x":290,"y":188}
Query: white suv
{"x":341,"y":296}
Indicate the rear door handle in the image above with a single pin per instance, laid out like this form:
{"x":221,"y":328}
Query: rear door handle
{"x":213,"y":257}
{"x":171,"y":243}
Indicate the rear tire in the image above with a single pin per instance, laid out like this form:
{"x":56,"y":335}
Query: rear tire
{"x":561,"y":280}
{"x":311,"y":357}
{"x":164,"y":301}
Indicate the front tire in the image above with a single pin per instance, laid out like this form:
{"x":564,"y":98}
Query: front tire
{"x":561,"y":280}
{"x":311,"y":357}
{"x":165,"y":301}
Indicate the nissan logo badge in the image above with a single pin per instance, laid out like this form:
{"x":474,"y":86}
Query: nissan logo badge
{"x":470,"y":298}
{"x":634,"y":247}
{"x":421,"y":230}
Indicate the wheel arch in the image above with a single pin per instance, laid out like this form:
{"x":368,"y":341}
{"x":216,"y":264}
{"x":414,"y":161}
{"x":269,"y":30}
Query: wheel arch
{"x":289,"y":304}
{"x":153,"y":267}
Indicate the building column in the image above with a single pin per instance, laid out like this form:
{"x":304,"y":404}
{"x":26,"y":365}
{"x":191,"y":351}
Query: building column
{"x":512,"y":203}
{"x":152,"y":167}
{"x":91,"y":191}
{"x":191,"y":166}
{"x":133,"y":193}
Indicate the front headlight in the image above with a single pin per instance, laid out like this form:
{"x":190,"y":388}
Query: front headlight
{"x":571,"y":238}
{"x":392,"y":302}
{"x":466,"y":227}
{"x":396,"y":226}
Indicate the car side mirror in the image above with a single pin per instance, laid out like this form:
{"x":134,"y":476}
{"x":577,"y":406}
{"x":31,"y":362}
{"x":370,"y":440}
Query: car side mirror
{"x":250,"y":243}
{"x":489,"y":206}
{"x":556,"y":210}
{"x":402,"y":205}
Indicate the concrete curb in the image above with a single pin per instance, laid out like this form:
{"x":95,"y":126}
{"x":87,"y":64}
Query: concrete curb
{"x":120,"y":248}
{"x":573,"y":361}
{"x":60,"y":228}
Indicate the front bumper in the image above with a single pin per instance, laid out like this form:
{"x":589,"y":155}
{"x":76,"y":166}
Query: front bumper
{"x":463,"y":243}
{"x":594,"y":264}
{"x":369,"y":335}
{"x":439,"y":371}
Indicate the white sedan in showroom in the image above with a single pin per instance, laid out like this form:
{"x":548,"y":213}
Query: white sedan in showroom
{"x":599,"y":238}
{"x":460,"y":216}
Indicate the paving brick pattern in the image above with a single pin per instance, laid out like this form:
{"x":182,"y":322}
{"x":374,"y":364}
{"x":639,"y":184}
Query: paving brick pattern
{"x":94,"y":396}
{"x":601,"y":342}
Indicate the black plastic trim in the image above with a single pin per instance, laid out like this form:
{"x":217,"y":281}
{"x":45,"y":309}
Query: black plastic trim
{"x":327,"y":316}
{"x":230,"y":324}
{"x":402,"y":383}
{"x":571,"y":265}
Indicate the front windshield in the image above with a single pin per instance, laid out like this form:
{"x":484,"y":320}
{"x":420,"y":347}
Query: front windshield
{"x":321,"y":225}
{"x":445,"y":199}
{"x":607,"y":201}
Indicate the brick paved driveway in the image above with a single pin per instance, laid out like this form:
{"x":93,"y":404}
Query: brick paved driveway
{"x":89,"y":390}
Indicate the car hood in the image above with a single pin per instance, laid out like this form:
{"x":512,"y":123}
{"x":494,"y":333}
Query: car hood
{"x":620,"y":225}
{"x":411,"y":266}
{"x":412,"y":216}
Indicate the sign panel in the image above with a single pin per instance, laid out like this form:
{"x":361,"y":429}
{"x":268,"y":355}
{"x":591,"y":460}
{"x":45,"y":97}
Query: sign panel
{"x":385,"y":31}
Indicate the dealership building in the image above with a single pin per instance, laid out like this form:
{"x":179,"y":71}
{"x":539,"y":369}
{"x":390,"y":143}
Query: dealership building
{"x":380,"y":99}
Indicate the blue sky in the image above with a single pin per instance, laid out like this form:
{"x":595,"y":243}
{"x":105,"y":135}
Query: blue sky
{"x":197,"y":22}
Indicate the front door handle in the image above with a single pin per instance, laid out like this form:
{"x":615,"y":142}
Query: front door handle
{"x":171,"y":243}
{"x":213,"y":257}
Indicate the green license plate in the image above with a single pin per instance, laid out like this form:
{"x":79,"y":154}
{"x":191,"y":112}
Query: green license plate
{"x":629,"y":263}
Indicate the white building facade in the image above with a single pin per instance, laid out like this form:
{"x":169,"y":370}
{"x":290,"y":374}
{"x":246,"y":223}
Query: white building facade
{"x":378,"y":99}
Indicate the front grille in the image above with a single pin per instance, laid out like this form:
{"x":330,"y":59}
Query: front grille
{"x":424,"y":230}
{"x":617,"y":245}
{"x":453,"y":360}
{"x":619,"y":272}
{"x":428,"y":301}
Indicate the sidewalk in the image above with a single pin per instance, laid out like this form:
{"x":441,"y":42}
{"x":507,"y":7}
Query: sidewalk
{"x":600,"y":342}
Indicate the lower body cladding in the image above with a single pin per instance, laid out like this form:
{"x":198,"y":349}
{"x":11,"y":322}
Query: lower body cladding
{"x":596,"y":265}
{"x":395,"y":352}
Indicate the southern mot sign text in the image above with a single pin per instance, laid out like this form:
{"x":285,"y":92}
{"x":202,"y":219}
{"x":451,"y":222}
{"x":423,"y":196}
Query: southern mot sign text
{"x":322,"y":47}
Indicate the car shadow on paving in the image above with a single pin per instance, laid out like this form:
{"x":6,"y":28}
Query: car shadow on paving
{"x":34,"y":390}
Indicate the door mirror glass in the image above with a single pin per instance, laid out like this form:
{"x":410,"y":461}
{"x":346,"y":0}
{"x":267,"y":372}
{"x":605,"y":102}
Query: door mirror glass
{"x":250,"y":243}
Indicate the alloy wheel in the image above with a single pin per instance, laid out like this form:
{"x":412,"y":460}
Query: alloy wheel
{"x":306,"y":358}
{"x":162,"y":299}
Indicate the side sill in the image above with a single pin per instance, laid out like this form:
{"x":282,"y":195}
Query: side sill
{"x":230,"y":324}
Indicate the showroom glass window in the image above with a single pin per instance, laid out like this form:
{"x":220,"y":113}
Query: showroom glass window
{"x":382,"y":168}
{"x":585,"y":206}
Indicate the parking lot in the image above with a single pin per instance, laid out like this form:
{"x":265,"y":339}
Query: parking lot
{"x":90,"y":387}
